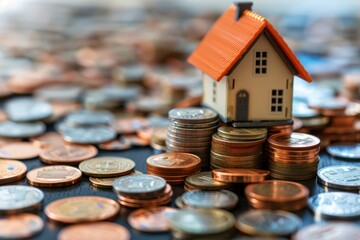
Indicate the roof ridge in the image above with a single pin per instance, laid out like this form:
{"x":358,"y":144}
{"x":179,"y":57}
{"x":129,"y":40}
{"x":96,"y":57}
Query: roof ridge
{"x":254,"y":15}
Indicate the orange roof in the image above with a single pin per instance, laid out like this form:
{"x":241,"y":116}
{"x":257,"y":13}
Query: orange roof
{"x":228,"y":40}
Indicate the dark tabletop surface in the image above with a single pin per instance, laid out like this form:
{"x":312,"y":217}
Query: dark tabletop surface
{"x":139,"y":155}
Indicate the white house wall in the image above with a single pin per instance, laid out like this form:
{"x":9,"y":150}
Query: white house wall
{"x":259,"y":87}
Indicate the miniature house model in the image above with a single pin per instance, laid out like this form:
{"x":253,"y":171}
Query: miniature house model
{"x":248,"y":69}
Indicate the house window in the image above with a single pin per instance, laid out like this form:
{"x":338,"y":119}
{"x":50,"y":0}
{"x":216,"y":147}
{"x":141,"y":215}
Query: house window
{"x":214,"y":92}
{"x":277,"y":101}
{"x":261,"y":60}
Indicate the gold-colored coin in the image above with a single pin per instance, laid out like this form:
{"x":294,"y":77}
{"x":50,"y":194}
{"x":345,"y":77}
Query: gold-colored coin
{"x":82,"y":209}
{"x":11,"y":171}
{"x":204,"y":181}
{"x":107,"y":166}
{"x":108,"y":182}
{"x":242,"y":133}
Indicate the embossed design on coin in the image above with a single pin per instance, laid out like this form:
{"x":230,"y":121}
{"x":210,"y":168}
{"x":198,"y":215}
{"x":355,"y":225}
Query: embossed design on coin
{"x":341,"y":177}
{"x":193,"y":114}
{"x":107,"y":166}
{"x":11,"y":171}
{"x":20,"y":226}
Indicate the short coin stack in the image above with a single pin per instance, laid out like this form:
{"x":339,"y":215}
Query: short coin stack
{"x":237,"y":147}
{"x":141,"y":191}
{"x":173,"y":167}
{"x":293,"y":156}
{"x":190,"y":131}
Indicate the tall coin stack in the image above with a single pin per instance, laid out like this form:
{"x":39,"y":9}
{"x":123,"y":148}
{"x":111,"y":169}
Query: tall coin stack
{"x":190,"y":131}
{"x":293,"y":156}
{"x":237,"y":147}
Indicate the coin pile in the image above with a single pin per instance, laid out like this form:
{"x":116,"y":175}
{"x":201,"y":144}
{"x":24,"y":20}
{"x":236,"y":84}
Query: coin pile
{"x":204,"y":181}
{"x":237,"y":147}
{"x":204,"y":224}
{"x":293,"y":156}
{"x":190,"y":131}
{"x":284,"y":195}
{"x":173,"y":167}
{"x":140,"y":191}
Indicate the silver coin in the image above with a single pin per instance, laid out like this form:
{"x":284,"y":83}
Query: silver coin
{"x":60,"y":92}
{"x":136,"y":185}
{"x":198,"y":115}
{"x":335,"y":205}
{"x":268,"y":223}
{"x":210,"y":199}
{"x":15,"y":199}
{"x":89,"y":118}
{"x":88,"y":135}
{"x":27,"y":109}
{"x":21,"y":130}
{"x":202,"y":221}
{"x":121,"y":93}
{"x":341,"y":177}
{"x":329,"y":231}
{"x":350,"y":151}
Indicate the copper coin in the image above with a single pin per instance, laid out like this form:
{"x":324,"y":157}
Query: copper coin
{"x":238,"y":175}
{"x":136,"y":140}
{"x":54,"y":176}
{"x":129,"y":125}
{"x":294,"y":141}
{"x":82,"y":209}
{"x":18,"y":150}
{"x":47,"y":140}
{"x":108,"y":182}
{"x":20,"y":226}
{"x":67,"y":154}
{"x":94,"y":231}
{"x":169,"y":161}
{"x":107,"y":166}
{"x":117,"y":144}
{"x":11,"y":171}
{"x":154,"y":219}
{"x":3,"y":116}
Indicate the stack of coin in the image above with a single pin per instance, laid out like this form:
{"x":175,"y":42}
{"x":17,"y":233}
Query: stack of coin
{"x":202,"y":224}
{"x":173,"y":167}
{"x":141,"y":191}
{"x":285,"y":195}
{"x":237,"y":147}
{"x":190,"y":131}
{"x":204,"y":181}
{"x":293,"y":156}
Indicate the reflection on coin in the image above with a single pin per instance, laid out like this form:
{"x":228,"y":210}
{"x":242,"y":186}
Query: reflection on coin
{"x":11,"y":171}
{"x":108,"y":182}
{"x":294,"y":141}
{"x":135,"y":185}
{"x":11,"y":150}
{"x":204,"y":181}
{"x":94,"y":231}
{"x":198,"y":115}
{"x":67,"y":154}
{"x":335,"y":205}
{"x":16,"y":199}
{"x":154,"y":219}
{"x":54,"y":176}
{"x":107,"y":166}
{"x":82,"y":209}
{"x":89,"y":118}
{"x":350,"y":151}
{"x":329,"y":231}
{"x":341,"y":177}
{"x":27,"y":109}
{"x":21,"y":130}
{"x":268,"y":223}
{"x":208,"y":221}
{"x":20,"y":226}
{"x":88,"y":135}
{"x":242,"y":133}
{"x":238,"y":175}
{"x":210,"y":199}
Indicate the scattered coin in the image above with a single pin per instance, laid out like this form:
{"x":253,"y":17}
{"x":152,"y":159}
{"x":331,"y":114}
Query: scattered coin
{"x":54,"y":176}
{"x":329,"y":231}
{"x":94,"y":231}
{"x":17,"y":199}
{"x":20,"y":226}
{"x":341,"y":177}
{"x":155,"y":219}
{"x":268,"y":223}
{"x":335,"y":205}
{"x":108,"y":182}
{"x":237,"y":175}
{"x":11,"y":171}
{"x":107,"y":166}
{"x":67,"y":154}
{"x":115,"y":145}
{"x":210,"y":199}
{"x":11,"y":150}
{"x":348,"y":151}
{"x":89,"y":118}
{"x":82,"y":209}
{"x":204,"y":181}
{"x":21,"y":130}
{"x":88,"y":135}
{"x":48,"y":139}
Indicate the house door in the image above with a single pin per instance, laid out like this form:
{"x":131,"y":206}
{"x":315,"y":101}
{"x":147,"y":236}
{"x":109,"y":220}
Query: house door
{"x":242,"y":105}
